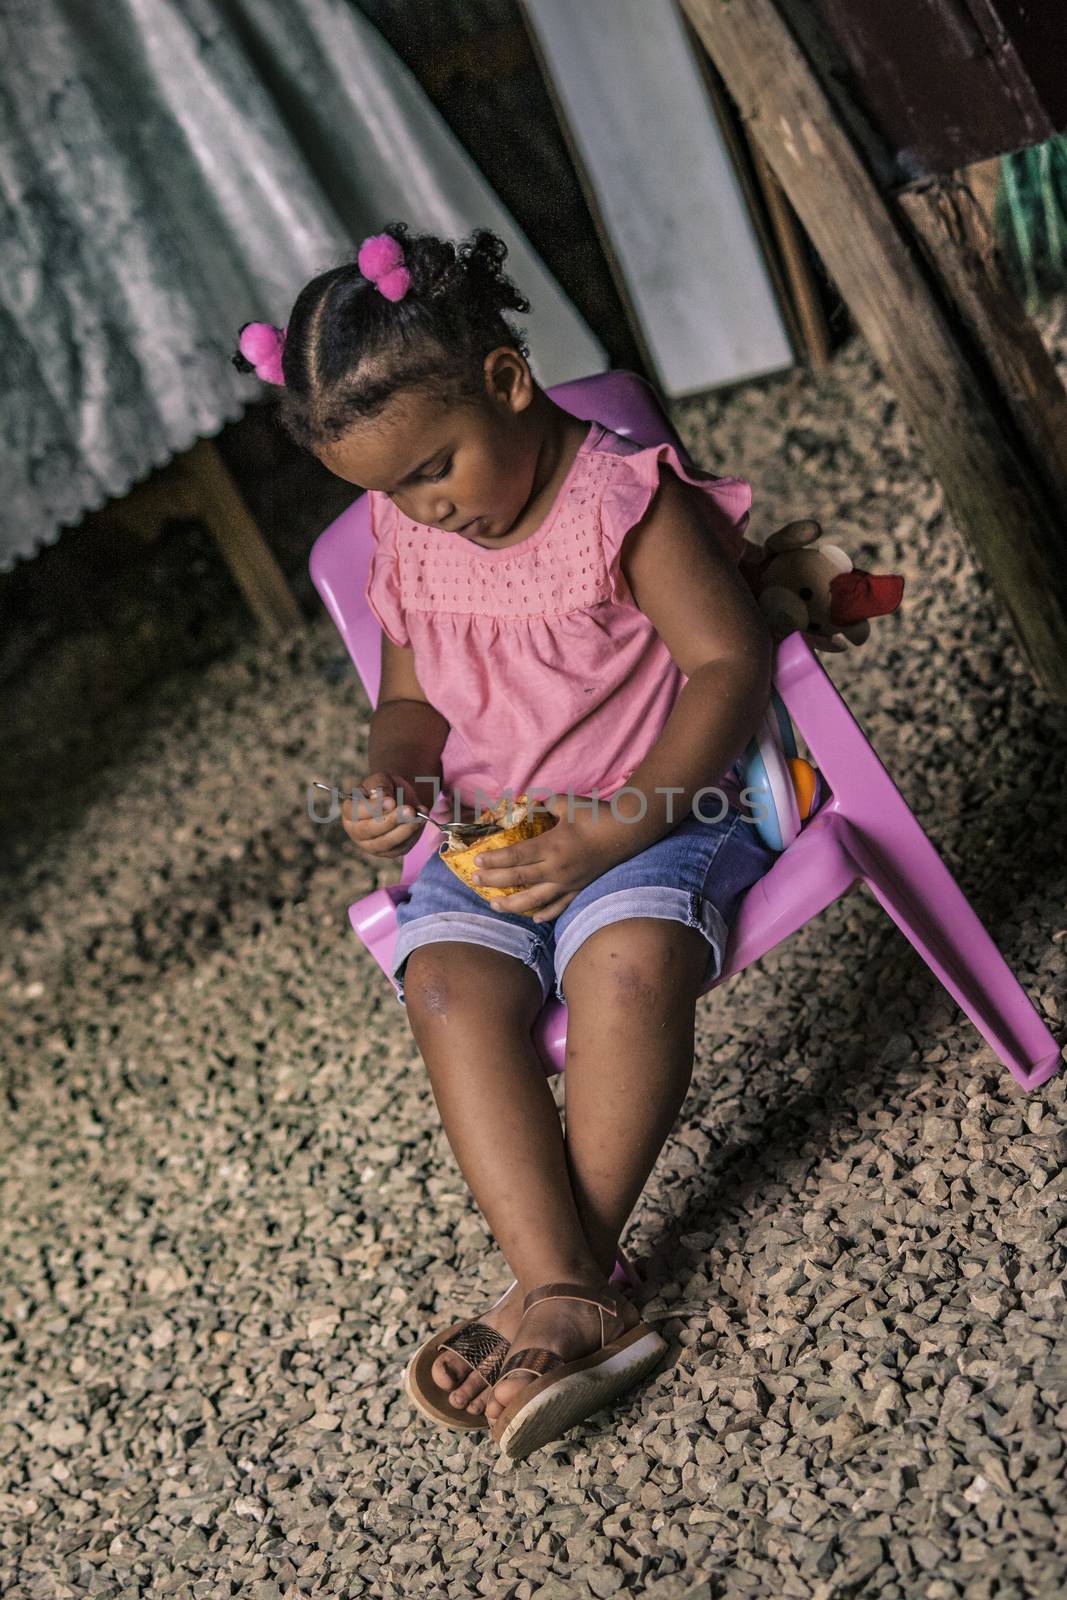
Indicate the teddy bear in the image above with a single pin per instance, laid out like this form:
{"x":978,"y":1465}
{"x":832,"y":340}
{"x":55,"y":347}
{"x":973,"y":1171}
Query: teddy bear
{"x":802,"y":582}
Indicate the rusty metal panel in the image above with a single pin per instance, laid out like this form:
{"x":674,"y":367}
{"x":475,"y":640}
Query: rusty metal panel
{"x":943,"y":83}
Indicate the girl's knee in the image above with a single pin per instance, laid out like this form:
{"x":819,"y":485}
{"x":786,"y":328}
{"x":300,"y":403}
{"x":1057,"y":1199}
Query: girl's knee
{"x":643,"y":966}
{"x":455,"y":980}
{"x":426,"y":983}
{"x":438,"y":979}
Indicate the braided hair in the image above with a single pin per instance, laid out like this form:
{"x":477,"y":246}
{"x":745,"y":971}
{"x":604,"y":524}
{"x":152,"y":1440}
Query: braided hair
{"x":348,"y":348}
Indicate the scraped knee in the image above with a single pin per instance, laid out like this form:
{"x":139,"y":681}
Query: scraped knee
{"x":429,"y":987}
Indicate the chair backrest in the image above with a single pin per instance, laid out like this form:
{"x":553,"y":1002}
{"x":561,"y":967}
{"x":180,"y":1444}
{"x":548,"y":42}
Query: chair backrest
{"x":340,"y":557}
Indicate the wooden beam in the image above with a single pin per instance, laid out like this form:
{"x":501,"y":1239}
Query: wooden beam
{"x":961,"y":247}
{"x":198,"y":485}
{"x":997,"y":496}
{"x":814,"y":332}
{"x":244,"y":549}
{"x":780,"y":238}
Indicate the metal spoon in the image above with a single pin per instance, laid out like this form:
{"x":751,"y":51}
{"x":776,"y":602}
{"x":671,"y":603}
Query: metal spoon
{"x":465,"y":830}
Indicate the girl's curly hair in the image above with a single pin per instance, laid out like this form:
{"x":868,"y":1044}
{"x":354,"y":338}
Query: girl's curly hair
{"x":348,"y":349}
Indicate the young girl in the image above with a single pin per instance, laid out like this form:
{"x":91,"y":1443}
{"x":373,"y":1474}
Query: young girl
{"x":562,"y":615}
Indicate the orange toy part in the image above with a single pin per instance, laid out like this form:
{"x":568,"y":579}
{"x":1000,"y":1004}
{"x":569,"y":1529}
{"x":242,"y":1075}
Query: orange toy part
{"x":804,"y":783}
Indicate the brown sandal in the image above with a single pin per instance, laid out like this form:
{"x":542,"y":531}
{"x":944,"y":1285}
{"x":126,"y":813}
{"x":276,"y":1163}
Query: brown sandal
{"x":481,"y":1347}
{"x":564,"y":1392}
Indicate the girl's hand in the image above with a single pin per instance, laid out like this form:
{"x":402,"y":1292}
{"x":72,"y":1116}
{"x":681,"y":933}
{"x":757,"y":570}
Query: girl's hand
{"x":555,"y":866}
{"x":384,"y":827}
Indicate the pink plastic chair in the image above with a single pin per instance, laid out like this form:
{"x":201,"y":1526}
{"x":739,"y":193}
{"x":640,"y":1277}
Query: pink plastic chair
{"x":862,"y":833}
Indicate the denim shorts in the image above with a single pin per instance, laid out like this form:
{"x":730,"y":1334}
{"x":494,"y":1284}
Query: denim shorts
{"x":695,"y":874}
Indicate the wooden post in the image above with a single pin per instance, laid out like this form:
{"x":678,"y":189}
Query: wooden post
{"x":198,"y":484}
{"x":961,"y":247}
{"x":996,"y":494}
{"x":814,"y":333}
{"x":246,"y":552}
{"x":780,"y":239}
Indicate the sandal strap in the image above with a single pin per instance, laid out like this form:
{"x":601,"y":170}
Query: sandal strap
{"x":572,"y":1291}
{"x":482,"y":1347}
{"x":604,"y":1300}
{"x":533,"y":1359}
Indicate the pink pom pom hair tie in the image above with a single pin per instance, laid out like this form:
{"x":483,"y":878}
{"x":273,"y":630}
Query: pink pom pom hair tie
{"x":381,"y":261}
{"x":261,"y":344}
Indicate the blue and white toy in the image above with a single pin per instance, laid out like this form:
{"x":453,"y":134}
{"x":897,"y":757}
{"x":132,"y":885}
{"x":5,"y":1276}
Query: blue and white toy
{"x":780,"y":787}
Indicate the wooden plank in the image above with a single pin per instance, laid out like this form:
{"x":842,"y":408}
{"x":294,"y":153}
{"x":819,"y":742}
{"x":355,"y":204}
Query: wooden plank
{"x":636,"y":106}
{"x":592,"y":203}
{"x":197,"y":486}
{"x":961,"y":247}
{"x":804,"y":293}
{"x":744,"y":156}
{"x":244,"y":549}
{"x":983,"y":180}
{"x":781,"y":238}
{"x":991,"y":486}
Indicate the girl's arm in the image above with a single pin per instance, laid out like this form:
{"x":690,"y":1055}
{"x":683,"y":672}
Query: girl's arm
{"x":407,"y":734}
{"x":706,"y":615}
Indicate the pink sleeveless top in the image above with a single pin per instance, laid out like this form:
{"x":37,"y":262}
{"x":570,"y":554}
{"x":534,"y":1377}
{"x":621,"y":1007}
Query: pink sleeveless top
{"x":548,"y":675}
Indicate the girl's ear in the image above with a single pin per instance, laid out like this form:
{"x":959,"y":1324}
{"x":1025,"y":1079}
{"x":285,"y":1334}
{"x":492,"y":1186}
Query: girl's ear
{"x":508,"y":378}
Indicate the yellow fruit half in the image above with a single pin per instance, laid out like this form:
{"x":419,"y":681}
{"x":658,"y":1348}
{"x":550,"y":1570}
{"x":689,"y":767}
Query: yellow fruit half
{"x":526,"y":827}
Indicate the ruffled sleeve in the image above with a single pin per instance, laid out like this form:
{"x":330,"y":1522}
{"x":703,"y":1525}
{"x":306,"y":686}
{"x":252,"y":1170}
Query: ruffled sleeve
{"x":629,"y":493}
{"x":382,"y":590}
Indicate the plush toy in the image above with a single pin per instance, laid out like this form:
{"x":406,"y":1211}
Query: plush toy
{"x":804,"y":583}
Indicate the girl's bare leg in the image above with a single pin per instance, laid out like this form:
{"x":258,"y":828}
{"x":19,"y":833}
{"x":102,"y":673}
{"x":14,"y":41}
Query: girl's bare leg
{"x":631,"y":992}
{"x":471,"y":1010}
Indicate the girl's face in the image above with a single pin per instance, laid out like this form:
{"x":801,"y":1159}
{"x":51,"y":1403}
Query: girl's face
{"x":466,"y":469}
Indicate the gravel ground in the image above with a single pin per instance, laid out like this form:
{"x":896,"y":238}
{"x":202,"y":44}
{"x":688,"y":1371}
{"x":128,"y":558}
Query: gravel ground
{"x":229,"y":1210}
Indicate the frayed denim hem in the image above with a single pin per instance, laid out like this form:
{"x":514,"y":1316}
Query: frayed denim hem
{"x":459,"y":926}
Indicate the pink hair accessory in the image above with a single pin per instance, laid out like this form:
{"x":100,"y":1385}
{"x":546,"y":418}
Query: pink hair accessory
{"x":262,"y":344}
{"x":381,"y":261}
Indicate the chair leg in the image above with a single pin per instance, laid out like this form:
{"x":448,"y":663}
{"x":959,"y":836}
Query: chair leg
{"x":927,"y":904}
{"x":624,"y":1276}
{"x":905,"y":873}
